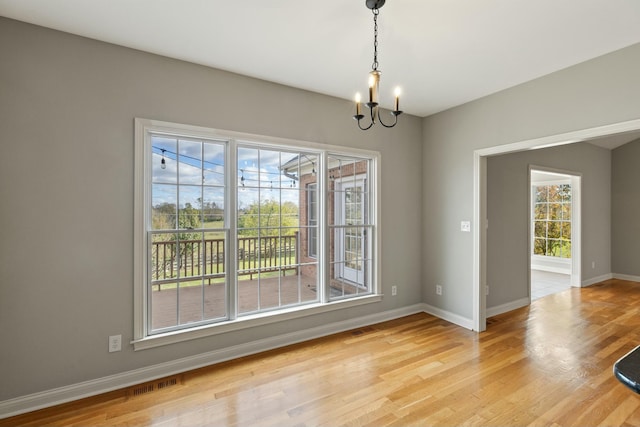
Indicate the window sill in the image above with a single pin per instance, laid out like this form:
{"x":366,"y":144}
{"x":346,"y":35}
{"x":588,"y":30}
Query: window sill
{"x":251,"y":321}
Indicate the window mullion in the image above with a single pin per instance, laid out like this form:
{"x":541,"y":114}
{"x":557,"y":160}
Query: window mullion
{"x":324,"y":250}
{"x":231,"y":218}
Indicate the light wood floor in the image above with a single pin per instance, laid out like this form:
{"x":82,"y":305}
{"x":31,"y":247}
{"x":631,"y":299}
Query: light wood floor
{"x":548,"y":364}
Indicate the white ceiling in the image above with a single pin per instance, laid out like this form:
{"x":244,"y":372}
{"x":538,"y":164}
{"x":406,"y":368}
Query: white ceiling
{"x":442,"y":53}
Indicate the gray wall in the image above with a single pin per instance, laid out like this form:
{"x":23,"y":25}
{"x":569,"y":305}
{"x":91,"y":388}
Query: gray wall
{"x":602,"y":91}
{"x":508,"y":214}
{"x":625,"y":201}
{"x":67,"y":108}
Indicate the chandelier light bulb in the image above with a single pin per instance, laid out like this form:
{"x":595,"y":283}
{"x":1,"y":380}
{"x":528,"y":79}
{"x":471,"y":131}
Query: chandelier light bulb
{"x":397,"y":95}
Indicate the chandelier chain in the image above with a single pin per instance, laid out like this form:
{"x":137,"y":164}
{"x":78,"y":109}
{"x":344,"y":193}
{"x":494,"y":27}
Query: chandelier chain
{"x":375,"y":11}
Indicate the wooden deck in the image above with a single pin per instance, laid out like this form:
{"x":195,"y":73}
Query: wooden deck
{"x":253,"y":295}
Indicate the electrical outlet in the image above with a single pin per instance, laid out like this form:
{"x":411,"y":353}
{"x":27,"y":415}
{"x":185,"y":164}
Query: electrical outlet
{"x":394,"y":290}
{"x":486,"y":289}
{"x":115,"y":343}
{"x":465,"y":226}
{"x":438,"y":290}
{"x":593,"y":264}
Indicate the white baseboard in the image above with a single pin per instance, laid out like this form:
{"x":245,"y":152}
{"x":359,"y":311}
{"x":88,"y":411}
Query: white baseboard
{"x":598,"y":279}
{"x":81,"y":390}
{"x":448,"y":316}
{"x":513,"y":305}
{"x":626,"y":277}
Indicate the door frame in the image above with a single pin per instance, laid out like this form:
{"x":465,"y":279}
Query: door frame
{"x":576,"y":222}
{"x":479,"y":321}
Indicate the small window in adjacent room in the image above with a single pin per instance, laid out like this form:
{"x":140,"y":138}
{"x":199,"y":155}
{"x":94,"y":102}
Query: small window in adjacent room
{"x":552,"y":220}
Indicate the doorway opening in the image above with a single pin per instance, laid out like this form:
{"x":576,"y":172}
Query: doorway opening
{"x":479,"y":302}
{"x":554,"y":231}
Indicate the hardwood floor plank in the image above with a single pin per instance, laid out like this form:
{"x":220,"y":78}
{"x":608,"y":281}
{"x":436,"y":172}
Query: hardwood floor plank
{"x":549,"y":364}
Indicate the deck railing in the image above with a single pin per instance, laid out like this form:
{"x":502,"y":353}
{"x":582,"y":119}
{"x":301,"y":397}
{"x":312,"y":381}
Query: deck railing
{"x":206,"y":258}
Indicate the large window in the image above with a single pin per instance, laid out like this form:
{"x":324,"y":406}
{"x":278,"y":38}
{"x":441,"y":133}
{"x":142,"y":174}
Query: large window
{"x":227,"y":230}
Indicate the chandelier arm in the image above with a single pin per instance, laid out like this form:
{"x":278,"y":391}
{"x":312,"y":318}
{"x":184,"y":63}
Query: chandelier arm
{"x":358,"y":118}
{"x":395,"y":121}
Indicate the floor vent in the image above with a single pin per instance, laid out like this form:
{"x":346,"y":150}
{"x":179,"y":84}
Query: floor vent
{"x":157,"y":385}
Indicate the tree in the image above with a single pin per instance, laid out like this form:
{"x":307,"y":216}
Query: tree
{"x":269,"y":218}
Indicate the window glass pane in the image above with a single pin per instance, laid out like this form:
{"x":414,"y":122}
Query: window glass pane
{"x":248,"y":208}
{"x":163,"y":207}
{"x":190,"y":247}
{"x":214,"y":256}
{"x":213,"y":164}
{"x":164,"y":258}
{"x":164,"y":306}
{"x":269,"y":169}
{"x":269,"y":213}
{"x":540,"y":211}
{"x":248,"y":253}
{"x":189,"y":207}
{"x":566,"y":211}
{"x":554,"y":193}
{"x":553,"y":247}
{"x":163,"y":159}
{"x":540,"y":246}
{"x":290,"y":170}
{"x":190,"y":301}
{"x":565,"y":191}
{"x":290,"y":210}
{"x":555,"y":211}
{"x":566,"y":230}
{"x":213,"y":207}
{"x":215,"y":297}
{"x":541,"y":194}
{"x":190,"y":162}
{"x":553,"y":230}
{"x":248,"y":175}
{"x":540,"y":229}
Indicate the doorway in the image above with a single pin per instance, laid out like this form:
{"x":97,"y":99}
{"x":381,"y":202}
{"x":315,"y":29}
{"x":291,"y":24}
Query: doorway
{"x":554,"y":230}
{"x":479,"y":302}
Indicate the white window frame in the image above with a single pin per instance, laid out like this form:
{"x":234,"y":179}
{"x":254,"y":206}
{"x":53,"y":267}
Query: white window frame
{"x":311,"y":230}
{"x":557,"y":182}
{"x":142,"y":202}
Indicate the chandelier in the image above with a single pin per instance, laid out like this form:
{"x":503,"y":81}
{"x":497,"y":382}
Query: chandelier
{"x":374,"y":80}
